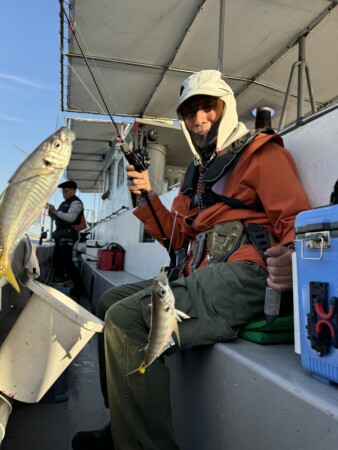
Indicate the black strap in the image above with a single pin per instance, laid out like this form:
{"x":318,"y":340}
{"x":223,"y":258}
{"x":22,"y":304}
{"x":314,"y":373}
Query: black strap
{"x":210,"y":198}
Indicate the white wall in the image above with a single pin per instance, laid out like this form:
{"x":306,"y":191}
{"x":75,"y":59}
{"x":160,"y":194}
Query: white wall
{"x":143,"y":259}
{"x":314,"y":147}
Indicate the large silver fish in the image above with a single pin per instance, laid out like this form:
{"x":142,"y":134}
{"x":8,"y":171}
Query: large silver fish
{"x":28,"y":191}
{"x":163,"y":323}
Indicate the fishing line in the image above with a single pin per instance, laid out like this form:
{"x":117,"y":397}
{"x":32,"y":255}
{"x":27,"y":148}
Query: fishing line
{"x":172,"y":233}
{"x":84,"y":85}
{"x":57,"y":122}
{"x":93,"y":61}
{"x":71,"y":26}
{"x":136,"y":159}
{"x":170,"y":242}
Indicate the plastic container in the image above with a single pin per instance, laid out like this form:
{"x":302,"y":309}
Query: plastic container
{"x":317,"y":254}
{"x":51,"y":330}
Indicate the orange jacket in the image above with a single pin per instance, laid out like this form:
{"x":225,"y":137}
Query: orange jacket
{"x":265,"y":172}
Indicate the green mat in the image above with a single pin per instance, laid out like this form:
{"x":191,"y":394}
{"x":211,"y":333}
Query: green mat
{"x":281,"y":331}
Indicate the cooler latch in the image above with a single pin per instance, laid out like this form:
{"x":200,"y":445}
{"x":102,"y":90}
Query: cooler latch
{"x":322,"y":320}
{"x":316,"y":241}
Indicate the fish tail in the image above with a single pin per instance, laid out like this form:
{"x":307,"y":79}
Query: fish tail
{"x":8,"y":273}
{"x":141,"y":369}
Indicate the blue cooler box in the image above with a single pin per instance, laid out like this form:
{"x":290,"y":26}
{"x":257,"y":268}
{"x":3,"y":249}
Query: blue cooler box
{"x":317,"y":267}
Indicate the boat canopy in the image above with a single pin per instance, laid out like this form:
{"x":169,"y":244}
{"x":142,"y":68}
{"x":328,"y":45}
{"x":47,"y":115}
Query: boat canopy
{"x":139,"y":52}
{"x":128,"y":58}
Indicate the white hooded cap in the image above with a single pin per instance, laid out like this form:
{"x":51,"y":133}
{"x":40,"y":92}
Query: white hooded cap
{"x":205,"y":82}
{"x":212,"y":82}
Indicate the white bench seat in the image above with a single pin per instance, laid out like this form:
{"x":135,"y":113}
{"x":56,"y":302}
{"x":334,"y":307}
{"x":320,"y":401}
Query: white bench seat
{"x":245,"y":396}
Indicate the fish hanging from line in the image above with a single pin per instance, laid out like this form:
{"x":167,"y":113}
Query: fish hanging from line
{"x":163,"y":324}
{"x":28,"y":191}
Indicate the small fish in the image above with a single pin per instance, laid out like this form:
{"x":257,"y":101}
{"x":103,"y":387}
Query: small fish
{"x":163,"y":322}
{"x":28,"y":190}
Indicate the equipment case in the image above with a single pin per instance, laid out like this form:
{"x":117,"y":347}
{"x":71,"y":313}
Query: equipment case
{"x":317,"y":267}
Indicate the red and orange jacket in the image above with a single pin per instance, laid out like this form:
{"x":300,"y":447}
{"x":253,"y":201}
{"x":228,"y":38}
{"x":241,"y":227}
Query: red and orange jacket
{"x":265,"y":172}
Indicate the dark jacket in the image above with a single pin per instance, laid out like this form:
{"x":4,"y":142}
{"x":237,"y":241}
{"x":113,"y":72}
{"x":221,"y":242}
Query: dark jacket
{"x":64,"y":207}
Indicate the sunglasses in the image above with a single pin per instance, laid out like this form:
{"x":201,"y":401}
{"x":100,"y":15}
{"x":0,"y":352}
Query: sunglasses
{"x":188,"y":111}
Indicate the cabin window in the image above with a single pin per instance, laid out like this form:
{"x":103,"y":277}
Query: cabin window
{"x":107,"y":180}
{"x":145,"y":236}
{"x":120,"y":173}
{"x":107,"y":185}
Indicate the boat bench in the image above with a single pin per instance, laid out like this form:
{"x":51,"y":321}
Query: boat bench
{"x":97,"y":281}
{"x":240,"y":395}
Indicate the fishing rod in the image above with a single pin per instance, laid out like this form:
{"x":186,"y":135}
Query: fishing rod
{"x":138,"y":158}
{"x":43,"y":234}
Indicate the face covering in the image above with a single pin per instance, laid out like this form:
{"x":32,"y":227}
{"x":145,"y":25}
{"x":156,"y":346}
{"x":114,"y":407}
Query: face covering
{"x":206,"y":144}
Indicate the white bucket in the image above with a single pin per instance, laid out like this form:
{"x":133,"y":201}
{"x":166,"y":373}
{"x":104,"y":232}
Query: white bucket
{"x":51,"y":330}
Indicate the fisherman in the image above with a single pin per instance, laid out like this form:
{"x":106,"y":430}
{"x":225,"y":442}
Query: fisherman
{"x":67,"y":218}
{"x":239,"y":181}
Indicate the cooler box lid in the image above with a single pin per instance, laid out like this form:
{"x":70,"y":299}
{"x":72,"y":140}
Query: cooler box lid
{"x":317,"y":219}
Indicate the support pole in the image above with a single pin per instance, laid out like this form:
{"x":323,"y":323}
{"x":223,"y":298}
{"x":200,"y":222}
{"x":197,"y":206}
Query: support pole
{"x":221,"y":35}
{"x":303,"y":71}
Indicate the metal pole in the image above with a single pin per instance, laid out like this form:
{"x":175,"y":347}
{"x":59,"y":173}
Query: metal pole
{"x":309,"y":84}
{"x":287,"y":96}
{"x":301,"y":73}
{"x":221,"y":35}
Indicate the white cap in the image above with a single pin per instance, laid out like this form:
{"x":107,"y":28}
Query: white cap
{"x":205,"y":82}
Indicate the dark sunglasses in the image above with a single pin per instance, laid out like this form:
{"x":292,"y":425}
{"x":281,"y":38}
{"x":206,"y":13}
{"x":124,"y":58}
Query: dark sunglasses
{"x":188,"y":111}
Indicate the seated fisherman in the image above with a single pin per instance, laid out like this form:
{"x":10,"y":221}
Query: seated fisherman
{"x":237,"y":179}
{"x":66,"y":217}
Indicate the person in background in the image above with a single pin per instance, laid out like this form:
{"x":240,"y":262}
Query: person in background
{"x":67,"y":218}
{"x":239,"y":182}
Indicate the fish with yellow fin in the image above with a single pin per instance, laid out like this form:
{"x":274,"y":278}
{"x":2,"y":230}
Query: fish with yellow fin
{"x":28,"y":191}
{"x":164,"y":322}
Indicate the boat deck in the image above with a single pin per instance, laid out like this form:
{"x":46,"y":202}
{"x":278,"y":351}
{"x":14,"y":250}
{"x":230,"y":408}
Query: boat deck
{"x":230,"y":396}
{"x":50,"y":425}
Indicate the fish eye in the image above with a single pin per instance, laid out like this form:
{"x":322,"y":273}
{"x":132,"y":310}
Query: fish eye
{"x":161,"y":292}
{"x":56,"y":143}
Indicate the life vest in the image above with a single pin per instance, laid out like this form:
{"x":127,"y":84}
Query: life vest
{"x":64,"y":207}
{"x":219,"y":167}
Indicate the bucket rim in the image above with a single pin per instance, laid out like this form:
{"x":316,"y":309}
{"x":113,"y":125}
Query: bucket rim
{"x":92,"y":324}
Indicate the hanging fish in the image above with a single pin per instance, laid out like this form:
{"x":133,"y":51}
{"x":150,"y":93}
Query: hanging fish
{"x":28,"y":191}
{"x":163,"y":322}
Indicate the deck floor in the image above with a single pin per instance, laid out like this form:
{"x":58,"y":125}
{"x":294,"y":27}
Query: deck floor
{"x":50,"y":425}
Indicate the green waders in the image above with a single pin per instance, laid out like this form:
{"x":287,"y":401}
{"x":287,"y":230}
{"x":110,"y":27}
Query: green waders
{"x":219,"y":298}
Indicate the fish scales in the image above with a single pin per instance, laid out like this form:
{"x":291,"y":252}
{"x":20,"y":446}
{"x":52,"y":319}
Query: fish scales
{"x":26,"y":202}
{"x":28,"y":191}
{"x":163,"y":322}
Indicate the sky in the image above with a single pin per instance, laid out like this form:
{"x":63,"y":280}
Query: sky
{"x":30,"y":106}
